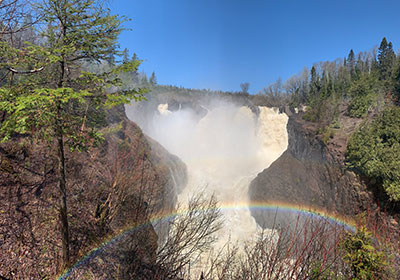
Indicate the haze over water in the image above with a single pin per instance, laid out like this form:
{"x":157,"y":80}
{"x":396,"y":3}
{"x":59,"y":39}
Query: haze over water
{"x":223,"y":151}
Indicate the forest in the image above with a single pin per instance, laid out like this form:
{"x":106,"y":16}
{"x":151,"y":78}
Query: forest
{"x":63,"y":86}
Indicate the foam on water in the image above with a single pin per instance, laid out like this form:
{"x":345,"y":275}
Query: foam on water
{"x":223,"y":151}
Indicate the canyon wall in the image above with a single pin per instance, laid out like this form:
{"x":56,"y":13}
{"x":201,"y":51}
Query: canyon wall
{"x":309,"y":175}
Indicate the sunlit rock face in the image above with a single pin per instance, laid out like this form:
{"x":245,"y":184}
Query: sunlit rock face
{"x":308,"y":175}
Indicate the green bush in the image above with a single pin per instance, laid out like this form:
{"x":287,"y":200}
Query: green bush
{"x":326,"y":133}
{"x":359,"y":105}
{"x":324,"y":110}
{"x":374,"y":150}
{"x":336,"y":124}
{"x":363,"y":95}
{"x":365,"y":261}
{"x":319,"y":272}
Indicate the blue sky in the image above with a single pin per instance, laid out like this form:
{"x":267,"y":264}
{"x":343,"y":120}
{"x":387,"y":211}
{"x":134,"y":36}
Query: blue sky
{"x":218,"y":44}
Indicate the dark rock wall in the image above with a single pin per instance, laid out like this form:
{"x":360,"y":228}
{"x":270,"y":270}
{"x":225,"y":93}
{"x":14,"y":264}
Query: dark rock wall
{"x":308,"y":175}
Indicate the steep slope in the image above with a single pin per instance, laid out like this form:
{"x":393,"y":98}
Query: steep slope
{"x":311,"y":175}
{"x":110,"y":189}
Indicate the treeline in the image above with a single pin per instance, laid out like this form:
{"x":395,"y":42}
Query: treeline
{"x":363,"y":81}
{"x":366,"y":86}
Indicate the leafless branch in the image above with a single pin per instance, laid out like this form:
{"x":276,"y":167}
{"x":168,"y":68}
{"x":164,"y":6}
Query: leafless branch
{"x":15,"y":71}
{"x":191,"y":234}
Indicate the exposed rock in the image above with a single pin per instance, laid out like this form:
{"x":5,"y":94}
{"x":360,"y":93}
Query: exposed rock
{"x":308,"y":175}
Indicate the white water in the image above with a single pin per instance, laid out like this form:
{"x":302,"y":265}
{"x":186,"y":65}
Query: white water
{"x":223,"y":151}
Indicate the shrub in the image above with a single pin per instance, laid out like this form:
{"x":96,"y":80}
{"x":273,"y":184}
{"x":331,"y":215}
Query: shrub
{"x":326,"y":134}
{"x":359,"y":105}
{"x":319,"y":272}
{"x":374,"y":150}
{"x":365,"y":261}
{"x":363,"y":95}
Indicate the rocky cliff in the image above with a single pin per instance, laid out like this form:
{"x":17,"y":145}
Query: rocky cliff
{"x":110,"y":189}
{"x":309,"y":174}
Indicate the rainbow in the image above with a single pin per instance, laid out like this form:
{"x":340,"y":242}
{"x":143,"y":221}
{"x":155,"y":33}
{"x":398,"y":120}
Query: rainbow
{"x":313,"y":212}
{"x":277,"y":207}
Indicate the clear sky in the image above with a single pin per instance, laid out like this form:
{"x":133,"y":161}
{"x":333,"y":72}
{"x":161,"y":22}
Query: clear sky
{"x":218,"y":44}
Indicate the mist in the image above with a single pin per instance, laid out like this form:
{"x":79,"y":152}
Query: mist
{"x":224,"y":148}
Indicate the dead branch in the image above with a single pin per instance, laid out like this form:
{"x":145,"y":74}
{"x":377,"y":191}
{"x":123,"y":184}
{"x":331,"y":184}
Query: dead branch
{"x":15,"y":71}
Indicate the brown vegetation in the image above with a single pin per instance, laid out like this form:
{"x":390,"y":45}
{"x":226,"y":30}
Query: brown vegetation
{"x":111,"y":187}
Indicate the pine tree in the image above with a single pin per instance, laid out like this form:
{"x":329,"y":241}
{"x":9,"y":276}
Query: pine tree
{"x":111,"y":55}
{"x":153,"y":79}
{"x":386,"y":59}
{"x":382,"y":50}
{"x":396,"y":81}
{"x":314,"y":85}
{"x":351,"y":63}
{"x":125,"y":55}
{"x":51,"y":102}
{"x":134,"y":57}
{"x":143,"y":78}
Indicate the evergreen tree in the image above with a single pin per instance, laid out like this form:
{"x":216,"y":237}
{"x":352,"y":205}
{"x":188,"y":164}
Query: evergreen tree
{"x":111,"y":55}
{"x":391,"y":55}
{"x":125,"y":55}
{"x":314,"y":85}
{"x":386,"y":59}
{"x":134,"y":57}
{"x":153,"y":79}
{"x":374,"y":62}
{"x":351,"y":63}
{"x":143,"y":78}
{"x":51,"y":102}
{"x":382,"y":50}
{"x":396,"y":81}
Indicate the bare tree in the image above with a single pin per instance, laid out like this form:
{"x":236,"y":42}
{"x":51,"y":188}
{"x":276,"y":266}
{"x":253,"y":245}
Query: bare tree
{"x":13,"y":15}
{"x":275,"y":89}
{"x":310,"y":250}
{"x":274,"y":95}
{"x":245,"y":87}
{"x":191,"y":234}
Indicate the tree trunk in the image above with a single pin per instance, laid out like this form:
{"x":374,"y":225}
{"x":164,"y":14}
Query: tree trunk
{"x":62,"y":171}
{"x":63,"y":200}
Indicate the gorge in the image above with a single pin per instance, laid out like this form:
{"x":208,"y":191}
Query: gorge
{"x":262,"y":165}
{"x":223,"y":151}
{"x":228,"y":149}
{"x":208,"y":170}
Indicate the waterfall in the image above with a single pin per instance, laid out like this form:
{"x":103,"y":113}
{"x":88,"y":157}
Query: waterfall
{"x":227,"y":149}
{"x":223,"y":151}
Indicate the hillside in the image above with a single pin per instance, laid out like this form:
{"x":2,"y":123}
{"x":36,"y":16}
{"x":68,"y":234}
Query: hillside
{"x":111,"y":188}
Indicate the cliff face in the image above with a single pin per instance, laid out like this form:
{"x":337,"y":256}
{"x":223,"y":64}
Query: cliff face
{"x":110,"y":189}
{"x":308,"y":174}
